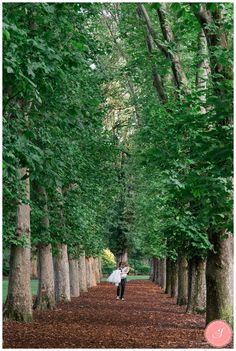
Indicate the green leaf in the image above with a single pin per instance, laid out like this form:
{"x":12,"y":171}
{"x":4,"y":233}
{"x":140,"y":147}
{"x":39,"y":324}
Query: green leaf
{"x":6,"y":35}
{"x":9,"y":70}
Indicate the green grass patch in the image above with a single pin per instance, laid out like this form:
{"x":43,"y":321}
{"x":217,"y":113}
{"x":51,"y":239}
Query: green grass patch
{"x":132,"y":277}
{"x":34,"y":288}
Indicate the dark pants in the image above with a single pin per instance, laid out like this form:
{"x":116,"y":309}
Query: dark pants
{"x":121,"y":288}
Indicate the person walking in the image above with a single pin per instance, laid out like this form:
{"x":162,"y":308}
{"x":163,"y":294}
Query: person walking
{"x":124,"y":270}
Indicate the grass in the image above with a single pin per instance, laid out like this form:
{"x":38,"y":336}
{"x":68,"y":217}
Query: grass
{"x":34,"y":284}
{"x":34,"y":288}
{"x":132,"y":277}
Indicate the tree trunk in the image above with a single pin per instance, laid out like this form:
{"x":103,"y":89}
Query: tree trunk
{"x":46,"y":293}
{"x":61,"y":270}
{"x":100,"y":267}
{"x":219,"y":280}
{"x":182,"y":298}
{"x":157,"y":79}
{"x":88,"y":272}
{"x":46,"y":290}
{"x":174,"y":279}
{"x":123,"y":257}
{"x":197,"y":286}
{"x":74,"y":278}
{"x":34,"y":266}
{"x":151,"y":269}
{"x":203,"y":69}
{"x":177,"y":69}
{"x":93,"y":272}
{"x":158,"y":271}
{"x":82,"y":273}
{"x":155,"y":276}
{"x":168,"y":276}
{"x":163,"y":273}
{"x":19,"y":300}
{"x":97,"y":272}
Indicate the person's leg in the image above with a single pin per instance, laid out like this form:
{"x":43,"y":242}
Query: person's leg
{"x":123,"y":281}
{"x":118,"y":291}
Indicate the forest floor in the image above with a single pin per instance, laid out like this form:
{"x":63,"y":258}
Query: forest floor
{"x":147,"y":318}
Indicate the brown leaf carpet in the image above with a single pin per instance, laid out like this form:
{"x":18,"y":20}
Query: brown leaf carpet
{"x":147,"y":318}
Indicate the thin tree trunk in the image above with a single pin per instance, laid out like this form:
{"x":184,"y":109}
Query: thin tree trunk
{"x":168,"y":276}
{"x":123,"y":257}
{"x":93,"y":272}
{"x":219,"y":280}
{"x":19,"y":299}
{"x":82,"y":273}
{"x":182,"y":298}
{"x":74,"y":277}
{"x":174,"y":279}
{"x":177,"y":69}
{"x":88,"y":280}
{"x":62,"y":277}
{"x":34,"y":266}
{"x":157,"y":79}
{"x":100,"y":267}
{"x":163,"y":273}
{"x":154,"y":269}
{"x":151,"y":269}
{"x":203,"y":69}
{"x":97,"y":271}
{"x":158,"y":271}
{"x":197,"y":286}
{"x":46,"y":294}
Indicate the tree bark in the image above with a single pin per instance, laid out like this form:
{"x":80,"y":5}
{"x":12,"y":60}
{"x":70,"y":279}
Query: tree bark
{"x":61,"y":270}
{"x":203,"y":69}
{"x":100,"y":267}
{"x":219,"y":280}
{"x":211,"y":24}
{"x":19,"y":300}
{"x":163,"y":273}
{"x":93,"y":272}
{"x":97,"y":272}
{"x":123,"y":257}
{"x":74,"y":277}
{"x":168,"y":276}
{"x":197,"y":286}
{"x":182,"y":298}
{"x":151,"y":269}
{"x":174,"y":279}
{"x":157,"y":79}
{"x":88,"y":272}
{"x":82,"y":273}
{"x":177,"y":69}
{"x":158,"y":271}
{"x":46,"y":290}
{"x":155,"y":277}
{"x":46,"y":294}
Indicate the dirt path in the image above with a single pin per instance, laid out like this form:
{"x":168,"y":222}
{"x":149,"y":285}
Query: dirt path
{"x":148,"y":318}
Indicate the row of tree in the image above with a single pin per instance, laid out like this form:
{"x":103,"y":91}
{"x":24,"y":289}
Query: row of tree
{"x":60,"y":161}
{"x":178,"y":170}
{"x":118,"y":132}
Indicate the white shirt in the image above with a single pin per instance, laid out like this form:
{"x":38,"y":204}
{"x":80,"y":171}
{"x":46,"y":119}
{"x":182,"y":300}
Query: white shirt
{"x":124,"y":272}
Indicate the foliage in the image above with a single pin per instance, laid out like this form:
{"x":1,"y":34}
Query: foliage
{"x":108,"y":261}
{"x":82,"y":114}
